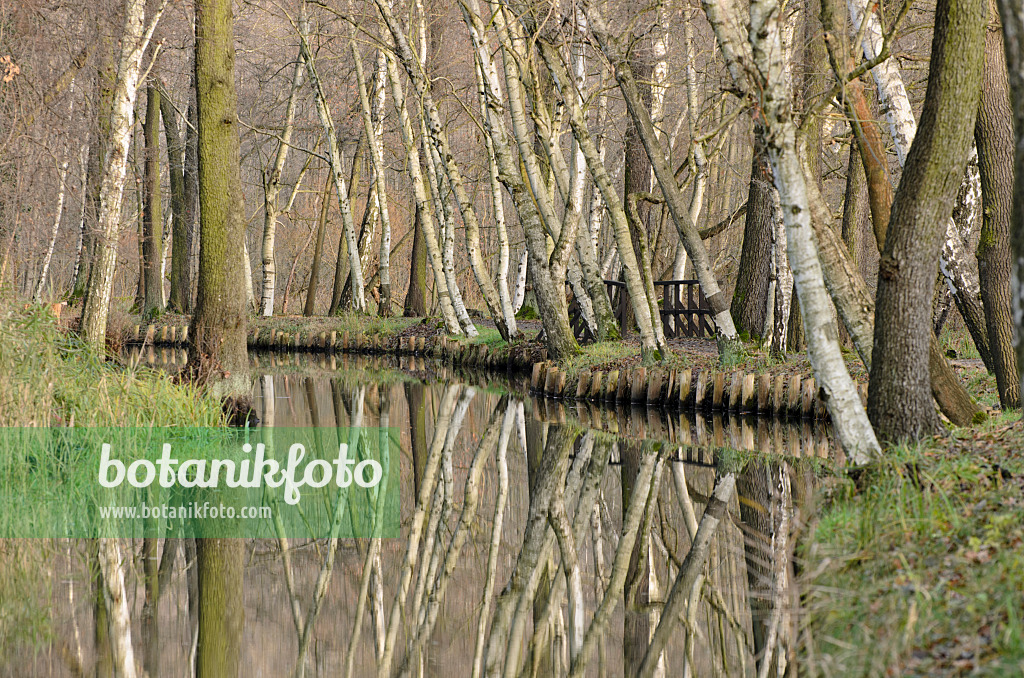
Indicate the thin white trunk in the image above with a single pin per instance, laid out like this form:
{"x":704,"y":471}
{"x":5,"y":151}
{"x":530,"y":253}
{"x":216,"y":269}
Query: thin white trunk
{"x":273,"y":190}
{"x":520,"y":295}
{"x":376,"y":144}
{"x":83,"y":163}
{"x":324,"y":112}
{"x":38,"y":295}
{"x":134,"y":40}
{"x":451,"y":321}
{"x":116,"y":598}
{"x":849,"y":418}
{"x":498,"y":203}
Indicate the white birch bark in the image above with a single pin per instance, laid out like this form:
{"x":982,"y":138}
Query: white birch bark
{"x":116,"y":598}
{"x":644,"y":312}
{"x":62,"y":183}
{"x":439,"y":138}
{"x":324,"y":112}
{"x":725,"y":327}
{"x":849,"y":418}
{"x":271,"y":192}
{"x":698,"y":160}
{"x":451,"y":321}
{"x":376,"y":142}
{"x":498,"y":204}
{"x":134,"y":40}
{"x":446,"y":219}
{"x":954,"y":265}
{"x":520,"y":294}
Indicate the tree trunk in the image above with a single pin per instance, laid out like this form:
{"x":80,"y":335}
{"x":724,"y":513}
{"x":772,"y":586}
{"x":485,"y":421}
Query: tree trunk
{"x":899,"y":395}
{"x":180,"y":273}
{"x":272,"y":190}
{"x":324,"y":112}
{"x":727,"y":336}
{"x":955,"y":263}
{"x":423,"y":212}
{"x":416,"y":297}
{"x":994,"y":136}
{"x":135,"y":38}
{"x":220,"y":563}
{"x":217,"y":345}
{"x":1012,"y":15}
{"x":749,"y":299}
{"x":152,"y":219}
{"x":314,"y":270}
{"x":191,"y":200}
{"x":116,"y":604}
{"x":377,"y":159}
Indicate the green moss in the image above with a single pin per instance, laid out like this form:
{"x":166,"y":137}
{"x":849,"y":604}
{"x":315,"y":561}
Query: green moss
{"x":527,"y":312}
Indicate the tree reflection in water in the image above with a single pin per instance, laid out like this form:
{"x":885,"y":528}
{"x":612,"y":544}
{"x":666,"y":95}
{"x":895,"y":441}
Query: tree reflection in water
{"x":535,"y":541}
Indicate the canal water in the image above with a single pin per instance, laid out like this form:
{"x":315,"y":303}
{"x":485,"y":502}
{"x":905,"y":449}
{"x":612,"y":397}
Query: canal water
{"x":539,"y":538}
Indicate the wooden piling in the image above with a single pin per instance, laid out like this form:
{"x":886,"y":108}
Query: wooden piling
{"x":764,"y":394}
{"x":700,"y":390}
{"x":807,"y":394}
{"x":718,"y":391}
{"x":596,"y":391}
{"x":793,"y":397}
{"x":747,"y":394}
{"x":583,"y":385}
{"x":638,"y":385}
{"x":683,"y":388}
{"x":611,"y":385}
{"x":735,"y":392}
{"x":654,"y":384}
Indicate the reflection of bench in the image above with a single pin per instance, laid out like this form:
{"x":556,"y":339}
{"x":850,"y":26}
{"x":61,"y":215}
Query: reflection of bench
{"x":684,"y":310}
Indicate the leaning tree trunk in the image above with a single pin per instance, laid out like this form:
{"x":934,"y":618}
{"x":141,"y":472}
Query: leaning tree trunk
{"x":217,"y":346}
{"x":994,"y":136}
{"x":899,"y":394}
{"x":1012,"y":15}
{"x":377,"y":161}
{"x":439,"y":139}
{"x":423,"y":209}
{"x":324,"y":112}
{"x":645,"y":307}
{"x":116,"y":605}
{"x":727,"y":336}
{"x":135,"y":38}
{"x":757,"y":66}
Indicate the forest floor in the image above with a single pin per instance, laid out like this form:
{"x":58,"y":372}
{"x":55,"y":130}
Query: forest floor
{"x":919,"y":568}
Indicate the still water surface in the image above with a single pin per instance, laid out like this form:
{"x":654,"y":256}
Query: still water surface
{"x":548,"y":536}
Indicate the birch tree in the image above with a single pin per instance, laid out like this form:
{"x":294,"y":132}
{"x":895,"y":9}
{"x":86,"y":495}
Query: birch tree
{"x":135,"y":37}
{"x":323,"y":110}
{"x":272,"y":189}
{"x":423,"y":208}
{"x":439,"y":139}
{"x":725,"y":328}
{"x":755,"y":63}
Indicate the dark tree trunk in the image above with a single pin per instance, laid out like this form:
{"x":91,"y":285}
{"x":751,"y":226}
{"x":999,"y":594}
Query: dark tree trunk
{"x":750,"y":298}
{"x":220,"y":563}
{"x":180,"y":280}
{"x":994,"y":136}
{"x":899,"y":396}
{"x":416,"y":297}
{"x":152,"y":213}
{"x":637,"y":171}
{"x":314,"y":271}
{"x":191,"y":199}
{"x":1013,"y":34}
